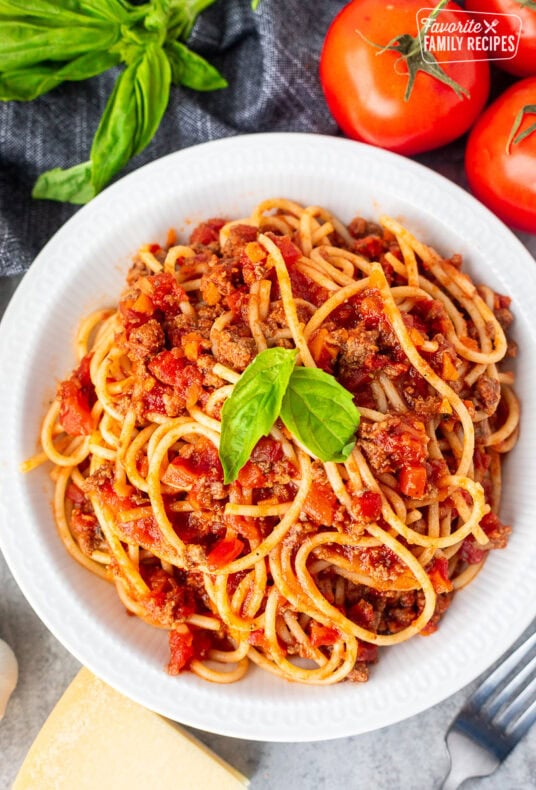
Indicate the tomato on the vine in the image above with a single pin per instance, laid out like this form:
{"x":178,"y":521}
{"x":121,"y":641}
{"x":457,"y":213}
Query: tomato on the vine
{"x":500,"y":159}
{"x":366,"y":86}
{"x":523,"y":64}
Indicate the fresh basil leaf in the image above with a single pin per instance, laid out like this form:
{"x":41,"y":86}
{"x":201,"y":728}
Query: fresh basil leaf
{"x":192,"y":70}
{"x":152,"y":85}
{"x":68,"y":186}
{"x":114,"y":141}
{"x":110,"y":10}
{"x":321,"y":414}
{"x":132,"y":114}
{"x":32,"y":81}
{"x":253,"y":407}
{"x":25,"y":44}
{"x":46,"y":12}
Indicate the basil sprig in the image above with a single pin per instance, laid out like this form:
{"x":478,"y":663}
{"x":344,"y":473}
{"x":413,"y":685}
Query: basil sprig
{"x":315,"y":408}
{"x":253,"y":407}
{"x":47,"y":42}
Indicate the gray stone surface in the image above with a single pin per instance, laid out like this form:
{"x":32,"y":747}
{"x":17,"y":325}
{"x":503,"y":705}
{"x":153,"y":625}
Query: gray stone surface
{"x":407,"y":756}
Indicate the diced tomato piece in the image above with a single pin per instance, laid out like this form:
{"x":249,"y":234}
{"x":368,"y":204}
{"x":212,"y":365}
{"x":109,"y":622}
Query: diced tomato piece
{"x":240,"y":236}
{"x":168,"y":597}
{"x":203,"y":462}
{"x":74,"y":494}
{"x":288,"y":250}
{"x":491,"y":523}
{"x":439,"y":575}
{"x":181,"y":473}
{"x":371,"y":309}
{"x":305,"y":288}
{"x":83,"y":374}
{"x":172,"y":368}
{"x":207,"y":232}
{"x":252,"y":476}
{"x":323,"y":635}
{"x":267,"y":451}
{"x":238,"y":303}
{"x":471,"y":552}
{"x":144,"y":531}
{"x":412,"y":481}
{"x":153,"y":399}
{"x":362,"y":613}
{"x":76,"y":396}
{"x":75,"y":412}
{"x":166,"y":294}
{"x":224,"y":552}
{"x":367,"y":652}
{"x":181,"y":650}
{"x":86,"y":530}
{"x":258,"y":639}
{"x":202,"y":643}
{"x":372,"y":247}
{"x":168,"y":365}
{"x":368,"y":505}
{"x":320,"y":504}
{"x":257,"y":471}
{"x":112,"y":499}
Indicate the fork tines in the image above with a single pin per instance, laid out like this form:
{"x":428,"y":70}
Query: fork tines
{"x":503,"y":708}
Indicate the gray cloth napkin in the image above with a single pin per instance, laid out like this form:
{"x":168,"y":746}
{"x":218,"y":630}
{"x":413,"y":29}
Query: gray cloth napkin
{"x":270,"y":59}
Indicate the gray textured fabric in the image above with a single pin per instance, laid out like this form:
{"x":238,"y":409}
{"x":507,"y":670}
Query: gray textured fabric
{"x":270,"y":59}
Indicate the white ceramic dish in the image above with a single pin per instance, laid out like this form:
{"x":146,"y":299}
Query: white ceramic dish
{"x":83,"y":267}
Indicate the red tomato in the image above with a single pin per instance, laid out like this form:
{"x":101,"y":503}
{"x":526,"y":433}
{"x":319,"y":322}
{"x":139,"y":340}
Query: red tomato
{"x":365,"y":88}
{"x":523,"y":64}
{"x":502,"y":177}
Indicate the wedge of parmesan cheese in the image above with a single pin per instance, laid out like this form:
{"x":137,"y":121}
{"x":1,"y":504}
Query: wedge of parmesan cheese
{"x":96,"y":739}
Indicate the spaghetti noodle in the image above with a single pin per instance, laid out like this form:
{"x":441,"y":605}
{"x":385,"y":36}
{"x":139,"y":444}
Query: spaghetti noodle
{"x":300,"y":566}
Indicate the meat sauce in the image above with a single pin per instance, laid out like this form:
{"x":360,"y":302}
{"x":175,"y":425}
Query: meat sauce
{"x":172,"y":355}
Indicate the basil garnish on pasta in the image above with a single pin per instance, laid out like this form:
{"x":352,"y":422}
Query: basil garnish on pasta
{"x":321,"y":414}
{"x":312,"y":404}
{"x":253,"y":407}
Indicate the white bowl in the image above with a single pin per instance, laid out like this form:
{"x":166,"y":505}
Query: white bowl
{"x":83,"y":267}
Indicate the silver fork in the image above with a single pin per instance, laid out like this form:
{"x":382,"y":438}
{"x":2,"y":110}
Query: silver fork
{"x":495,"y":717}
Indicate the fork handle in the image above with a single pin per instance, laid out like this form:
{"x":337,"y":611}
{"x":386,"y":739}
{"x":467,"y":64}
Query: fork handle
{"x":467,"y":759}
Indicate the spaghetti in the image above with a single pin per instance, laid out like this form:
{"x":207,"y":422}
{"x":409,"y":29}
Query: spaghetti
{"x":300,"y":566}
